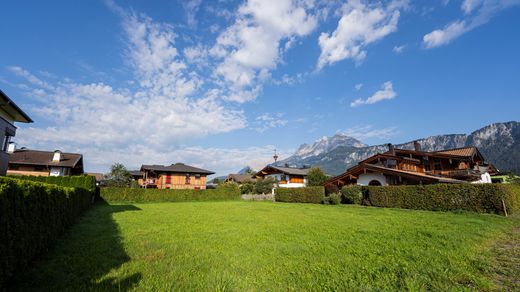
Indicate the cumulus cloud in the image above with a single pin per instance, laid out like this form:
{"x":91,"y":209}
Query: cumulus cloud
{"x":360,"y":25}
{"x":399,"y":49}
{"x":386,"y":93}
{"x":252,"y":45}
{"x":477,"y":13}
{"x":151,"y":119}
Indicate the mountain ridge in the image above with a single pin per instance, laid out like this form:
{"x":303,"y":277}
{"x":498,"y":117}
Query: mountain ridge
{"x":498,"y":142}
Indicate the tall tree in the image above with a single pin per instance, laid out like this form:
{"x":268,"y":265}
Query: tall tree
{"x":118,"y":176}
{"x":316,"y":177}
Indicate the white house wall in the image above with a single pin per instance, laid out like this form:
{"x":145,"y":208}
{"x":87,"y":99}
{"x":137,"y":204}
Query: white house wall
{"x":366,"y":178}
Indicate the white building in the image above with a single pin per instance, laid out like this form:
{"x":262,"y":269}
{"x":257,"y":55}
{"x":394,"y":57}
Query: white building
{"x":286,"y":177}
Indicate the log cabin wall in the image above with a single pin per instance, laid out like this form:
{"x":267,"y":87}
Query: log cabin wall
{"x":179,"y":181}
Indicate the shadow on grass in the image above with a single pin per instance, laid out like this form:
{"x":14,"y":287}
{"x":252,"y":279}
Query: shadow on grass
{"x":85,"y":258}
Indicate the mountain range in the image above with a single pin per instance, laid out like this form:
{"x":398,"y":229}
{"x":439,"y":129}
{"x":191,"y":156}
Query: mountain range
{"x":498,"y":142}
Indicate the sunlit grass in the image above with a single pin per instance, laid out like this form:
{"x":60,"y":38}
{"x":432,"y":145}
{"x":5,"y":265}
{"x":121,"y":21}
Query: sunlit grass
{"x":269,"y":246}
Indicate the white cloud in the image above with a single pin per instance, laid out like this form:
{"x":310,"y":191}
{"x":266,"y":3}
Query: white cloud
{"x":165,"y":108}
{"x":386,"y":93}
{"x":358,"y":86}
{"x":399,"y":49}
{"x":368,"y":131}
{"x":252,"y":45}
{"x":477,"y":13}
{"x":190,"y":8}
{"x":444,"y":36}
{"x":268,"y":121}
{"x":360,"y":25}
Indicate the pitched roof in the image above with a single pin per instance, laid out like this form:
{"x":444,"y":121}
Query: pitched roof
{"x":414,"y":174}
{"x":136,"y":172}
{"x":464,"y":151}
{"x":287,"y":170}
{"x":37,"y":157}
{"x":240,"y":178}
{"x":177,"y":167}
{"x":12,"y":109}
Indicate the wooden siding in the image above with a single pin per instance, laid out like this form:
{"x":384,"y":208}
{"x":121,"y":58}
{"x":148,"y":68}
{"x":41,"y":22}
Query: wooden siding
{"x":176,"y":181}
{"x":30,"y":172}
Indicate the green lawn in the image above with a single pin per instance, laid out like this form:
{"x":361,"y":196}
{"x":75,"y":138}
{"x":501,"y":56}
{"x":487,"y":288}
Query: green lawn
{"x":270,"y":246}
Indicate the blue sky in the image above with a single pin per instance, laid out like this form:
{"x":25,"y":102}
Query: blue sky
{"x":221,"y":84}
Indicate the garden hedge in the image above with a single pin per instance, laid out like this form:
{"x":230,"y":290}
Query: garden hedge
{"x":82,"y":181}
{"x":223,"y":192}
{"x":300,"y":195}
{"x":482,"y":198}
{"x":32,"y":215}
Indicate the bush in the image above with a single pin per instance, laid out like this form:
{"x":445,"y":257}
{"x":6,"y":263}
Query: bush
{"x":32,"y":216}
{"x":82,"y":181}
{"x":331,"y":188}
{"x":482,"y":198}
{"x":300,"y":195}
{"x":334,"y":199}
{"x":222,"y":193}
{"x":351,"y":195}
{"x":247,"y":187}
{"x":264,"y":186}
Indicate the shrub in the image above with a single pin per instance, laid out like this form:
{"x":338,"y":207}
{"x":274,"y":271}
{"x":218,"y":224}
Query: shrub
{"x":334,"y":199}
{"x":351,"y":194}
{"x":331,"y":188}
{"x":264,"y":186}
{"x":32,"y":215}
{"x":482,"y":198}
{"x":82,"y":181}
{"x":222,"y":193}
{"x":300,"y":195}
{"x":247,"y":187}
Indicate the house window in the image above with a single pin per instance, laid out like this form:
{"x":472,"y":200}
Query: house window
{"x":39,"y":168}
{"x":197,"y":176}
{"x":437,"y":164}
{"x":283,"y":177}
{"x":426,"y":164}
{"x":391,"y":163}
{"x":188,"y":179}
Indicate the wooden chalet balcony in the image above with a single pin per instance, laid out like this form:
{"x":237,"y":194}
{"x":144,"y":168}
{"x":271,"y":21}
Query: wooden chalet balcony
{"x":456,"y":173}
{"x":462,"y":173}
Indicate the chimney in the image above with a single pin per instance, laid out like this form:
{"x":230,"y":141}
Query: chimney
{"x":391,"y":148}
{"x":11,"y":147}
{"x":57,"y":156}
{"x":417,"y":145}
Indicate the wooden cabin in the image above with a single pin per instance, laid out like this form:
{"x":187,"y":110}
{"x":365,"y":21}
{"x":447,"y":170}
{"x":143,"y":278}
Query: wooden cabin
{"x":175,"y":176}
{"x":286,"y":177}
{"x":412,"y":167}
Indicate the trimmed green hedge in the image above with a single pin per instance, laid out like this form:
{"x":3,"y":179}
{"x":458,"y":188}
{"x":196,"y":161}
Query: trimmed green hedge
{"x":221,"y":193}
{"x":82,"y":181}
{"x":482,"y":198}
{"x":300,"y":195}
{"x":32,"y":215}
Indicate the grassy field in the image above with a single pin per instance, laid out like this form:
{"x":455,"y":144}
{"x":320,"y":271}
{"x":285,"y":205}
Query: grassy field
{"x":272,"y":246}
